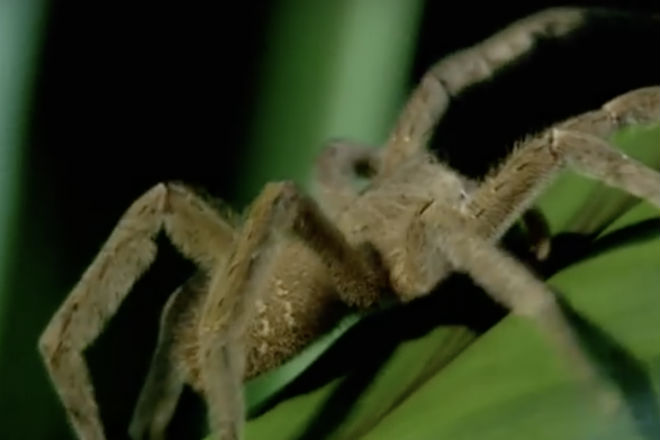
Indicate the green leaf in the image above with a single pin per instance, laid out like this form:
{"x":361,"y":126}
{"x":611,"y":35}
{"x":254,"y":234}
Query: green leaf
{"x":509,"y":384}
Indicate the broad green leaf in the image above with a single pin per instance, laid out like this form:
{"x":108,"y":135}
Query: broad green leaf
{"x":509,"y":384}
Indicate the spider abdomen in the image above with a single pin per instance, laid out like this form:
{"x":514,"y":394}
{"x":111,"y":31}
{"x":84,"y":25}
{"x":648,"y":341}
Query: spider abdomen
{"x":298,"y":304}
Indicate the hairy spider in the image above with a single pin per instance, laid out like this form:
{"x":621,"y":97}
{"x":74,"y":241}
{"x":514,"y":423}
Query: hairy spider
{"x":267,"y":288}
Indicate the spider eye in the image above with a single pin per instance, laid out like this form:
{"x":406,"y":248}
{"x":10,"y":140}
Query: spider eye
{"x":364,"y":168}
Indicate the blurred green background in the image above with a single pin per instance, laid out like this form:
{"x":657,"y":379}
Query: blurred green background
{"x":100,"y":101}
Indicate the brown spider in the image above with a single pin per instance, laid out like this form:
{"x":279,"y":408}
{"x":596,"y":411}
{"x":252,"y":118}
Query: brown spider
{"x":266,"y":289}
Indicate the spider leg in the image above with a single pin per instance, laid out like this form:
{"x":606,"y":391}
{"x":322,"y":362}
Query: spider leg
{"x":337,"y":168}
{"x":193,"y":227}
{"x":578,"y":143}
{"x":510,"y":283}
{"x":280,"y":209}
{"x":453,"y":74}
{"x":169,"y":369}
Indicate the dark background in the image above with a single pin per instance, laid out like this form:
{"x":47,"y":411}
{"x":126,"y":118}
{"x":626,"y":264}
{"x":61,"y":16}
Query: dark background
{"x":127,"y":95}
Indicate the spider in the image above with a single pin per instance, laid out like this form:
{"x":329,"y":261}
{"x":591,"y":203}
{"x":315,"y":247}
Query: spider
{"x":268,"y":287}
